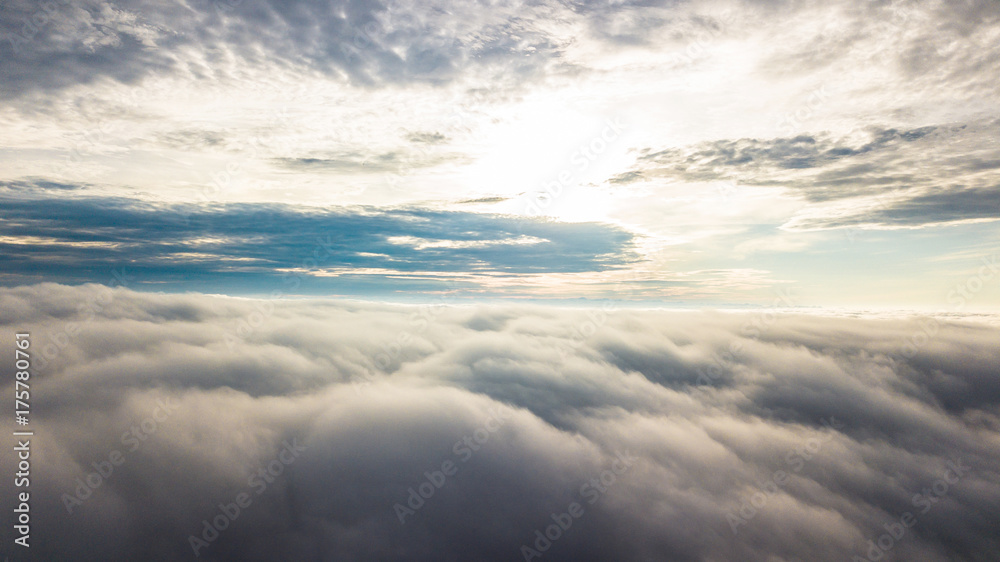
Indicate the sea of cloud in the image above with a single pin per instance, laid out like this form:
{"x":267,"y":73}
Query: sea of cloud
{"x":189,"y":426}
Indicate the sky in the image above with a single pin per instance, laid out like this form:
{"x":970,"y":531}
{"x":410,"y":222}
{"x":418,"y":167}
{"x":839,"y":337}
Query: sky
{"x":699,"y":153}
{"x":552,"y":280}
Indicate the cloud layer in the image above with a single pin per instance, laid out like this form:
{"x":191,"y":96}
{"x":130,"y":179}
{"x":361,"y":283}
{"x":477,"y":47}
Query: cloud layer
{"x":807,"y":434}
{"x":52,"y":235}
{"x":886,"y":178}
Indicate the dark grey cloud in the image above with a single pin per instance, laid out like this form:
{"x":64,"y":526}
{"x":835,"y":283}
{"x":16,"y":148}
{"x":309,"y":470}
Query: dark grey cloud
{"x":757,"y":160}
{"x":956,"y":203}
{"x":69,"y":42}
{"x":397,"y":162}
{"x":484,"y":200}
{"x":373,"y":43}
{"x":711,"y":406}
{"x":39,"y":186}
{"x":48,"y":46}
{"x":352,"y":162}
{"x":192,"y":139}
{"x":250,"y":247}
{"x":925,"y":175}
{"x":427,"y":138}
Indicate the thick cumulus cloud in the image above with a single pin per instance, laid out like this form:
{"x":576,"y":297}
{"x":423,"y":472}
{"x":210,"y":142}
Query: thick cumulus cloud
{"x":767,"y":435}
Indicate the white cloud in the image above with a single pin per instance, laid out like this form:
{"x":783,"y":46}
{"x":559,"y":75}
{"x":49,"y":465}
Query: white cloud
{"x":711,"y":405}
